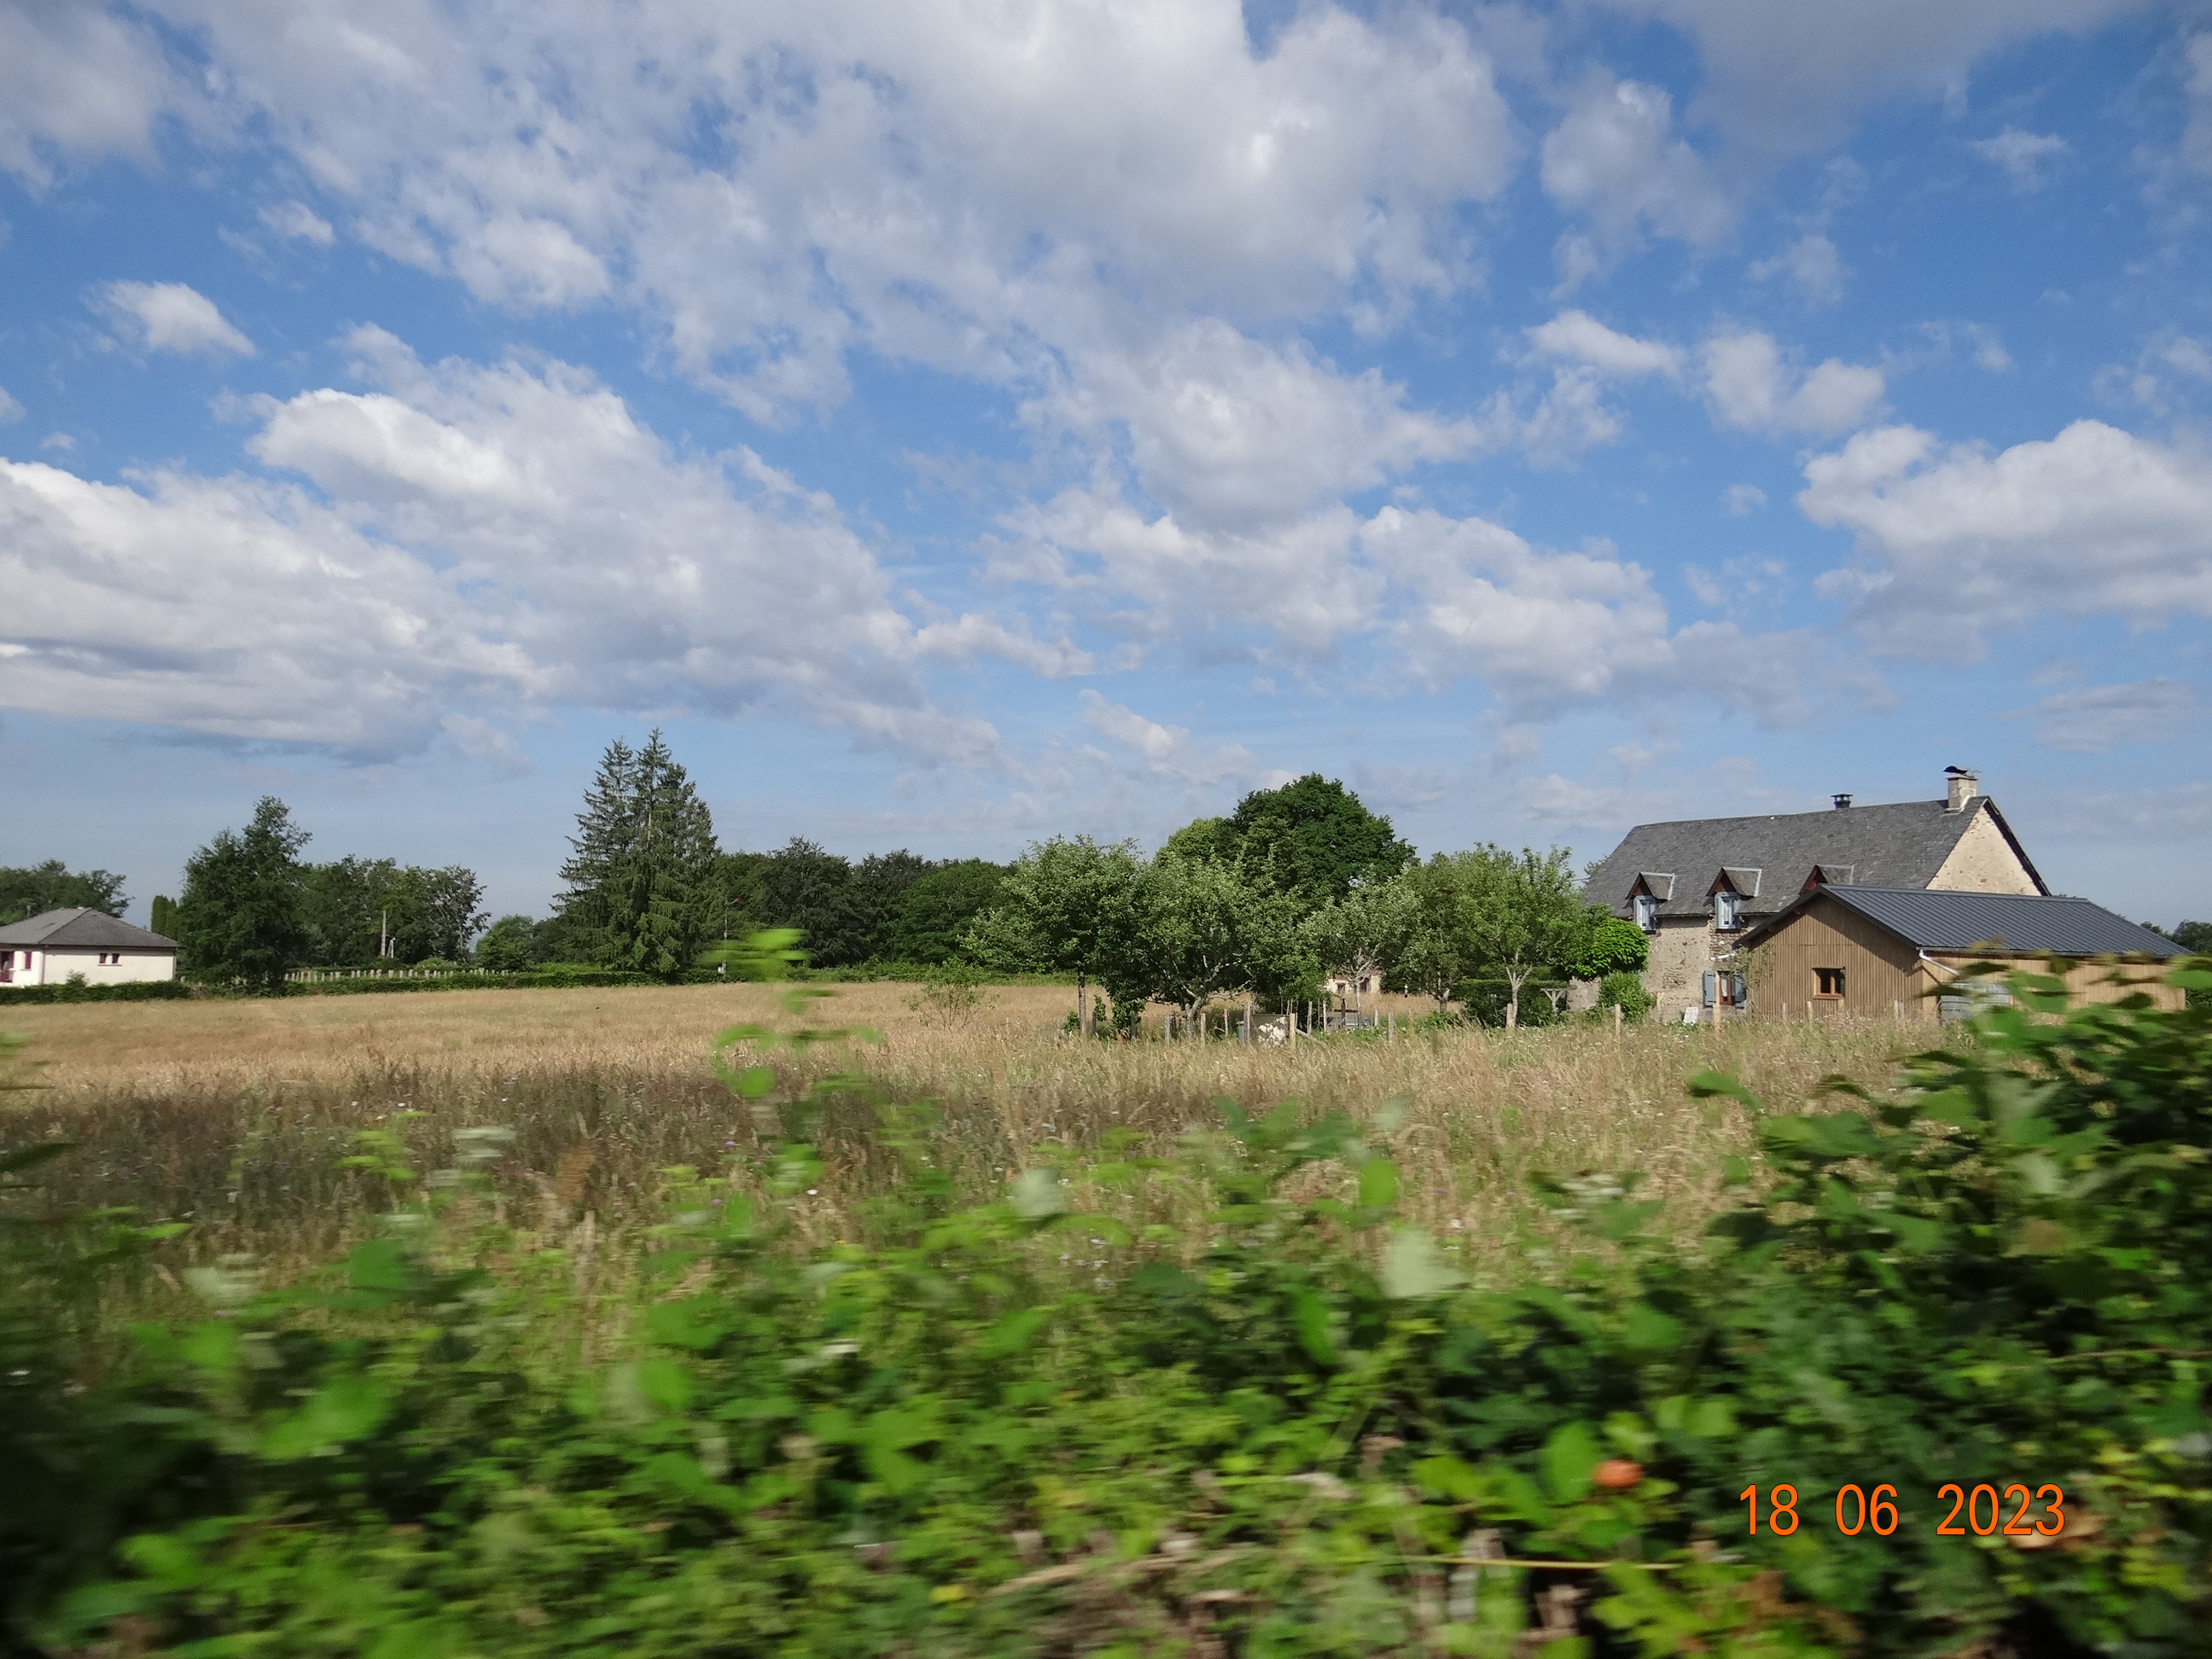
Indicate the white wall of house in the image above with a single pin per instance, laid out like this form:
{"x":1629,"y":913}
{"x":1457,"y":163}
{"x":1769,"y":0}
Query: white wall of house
{"x":36,"y":967}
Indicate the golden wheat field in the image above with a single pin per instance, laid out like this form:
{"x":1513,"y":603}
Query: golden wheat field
{"x":237,"y":1115}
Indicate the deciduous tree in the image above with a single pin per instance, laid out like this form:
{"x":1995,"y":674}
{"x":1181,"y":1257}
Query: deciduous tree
{"x":53,"y":885}
{"x":238,"y":921}
{"x":1064,"y":908}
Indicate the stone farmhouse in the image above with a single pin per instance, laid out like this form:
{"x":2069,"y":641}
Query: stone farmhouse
{"x":1696,"y":887}
{"x":50,"y":947}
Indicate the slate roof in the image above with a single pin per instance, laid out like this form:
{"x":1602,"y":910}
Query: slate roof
{"x":1902,"y":844}
{"x":82,"y":930}
{"x":2023,"y":924}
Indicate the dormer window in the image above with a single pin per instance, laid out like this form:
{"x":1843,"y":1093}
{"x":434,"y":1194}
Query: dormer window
{"x":1647,"y":913}
{"x":1728,"y":911}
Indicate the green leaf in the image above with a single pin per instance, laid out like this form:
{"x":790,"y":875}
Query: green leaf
{"x":1448,"y":1477}
{"x":1013,"y":1333}
{"x":1411,"y":1267}
{"x":1569,"y":1456}
{"x":666,"y":1382}
{"x":344,"y":1408}
{"x":1378,"y":1183}
{"x":29,"y":1157}
{"x":698,"y":1323}
{"x":1649,"y":1328}
{"x":1309,"y":1315}
{"x":1708,"y":1086}
{"x":1735,"y":1171}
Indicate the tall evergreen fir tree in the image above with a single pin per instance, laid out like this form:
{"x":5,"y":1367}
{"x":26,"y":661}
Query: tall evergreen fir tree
{"x":666,"y":896}
{"x":603,"y":836}
{"x":644,"y":888}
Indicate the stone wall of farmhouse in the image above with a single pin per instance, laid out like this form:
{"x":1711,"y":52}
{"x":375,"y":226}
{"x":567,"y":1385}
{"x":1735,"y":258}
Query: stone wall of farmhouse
{"x":1681,"y":951}
{"x":1983,"y":862}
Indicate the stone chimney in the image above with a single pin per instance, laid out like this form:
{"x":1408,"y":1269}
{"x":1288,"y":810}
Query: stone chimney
{"x":1964,"y":786}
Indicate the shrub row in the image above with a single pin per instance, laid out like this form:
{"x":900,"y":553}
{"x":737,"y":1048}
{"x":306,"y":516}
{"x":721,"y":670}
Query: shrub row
{"x":152,"y":990}
{"x":1017,"y":1431}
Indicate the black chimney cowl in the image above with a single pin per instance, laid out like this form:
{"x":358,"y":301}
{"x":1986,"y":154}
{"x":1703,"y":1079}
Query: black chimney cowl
{"x":1842,"y":801}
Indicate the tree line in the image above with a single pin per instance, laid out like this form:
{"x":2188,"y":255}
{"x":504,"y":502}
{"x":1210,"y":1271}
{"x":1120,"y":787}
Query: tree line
{"x":1297,"y":886}
{"x":1300,"y":885}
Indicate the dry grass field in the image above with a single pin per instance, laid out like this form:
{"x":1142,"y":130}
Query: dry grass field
{"x":237,"y":1115}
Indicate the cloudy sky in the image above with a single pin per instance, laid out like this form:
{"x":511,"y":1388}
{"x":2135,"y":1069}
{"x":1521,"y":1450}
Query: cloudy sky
{"x":966,"y":420}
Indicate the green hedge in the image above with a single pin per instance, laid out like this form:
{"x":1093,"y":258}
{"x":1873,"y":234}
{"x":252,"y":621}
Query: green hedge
{"x":1015,"y":1430}
{"x":152,"y":990}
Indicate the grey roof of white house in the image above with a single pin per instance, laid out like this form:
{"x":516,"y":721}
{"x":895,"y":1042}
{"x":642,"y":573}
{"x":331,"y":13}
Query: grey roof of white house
{"x":2025,"y":924}
{"x":82,"y":929}
{"x":1769,"y":860}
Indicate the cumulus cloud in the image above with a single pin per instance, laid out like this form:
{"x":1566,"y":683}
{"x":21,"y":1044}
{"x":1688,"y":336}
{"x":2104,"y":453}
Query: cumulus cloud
{"x":1542,"y":629}
{"x":2196,"y":136}
{"x":300,"y":222}
{"x":2022,"y":154}
{"x":1749,"y":385}
{"x":1224,"y":431}
{"x":1788,"y":78}
{"x":975,"y":188}
{"x":1616,"y":159}
{"x":1578,"y":336}
{"x":1168,"y":751}
{"x":167,"y":317}
{"x":481,"y":540}
{"x":9,"y":408}
{"x":1740,"y":500}
{"x":1811,"y":264}
{"x":2101,"y":717}
{"x":1954,"y":543}
{"x":77,"y":84}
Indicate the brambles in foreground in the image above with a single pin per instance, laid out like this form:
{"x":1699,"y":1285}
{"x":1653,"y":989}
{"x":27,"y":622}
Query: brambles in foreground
{"x":1020,"y":1427}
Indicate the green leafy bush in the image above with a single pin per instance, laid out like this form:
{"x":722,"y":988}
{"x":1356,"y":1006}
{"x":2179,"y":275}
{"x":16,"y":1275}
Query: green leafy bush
{"x":1626,"y":992}
{"x":150,"y":990}
{"x":1018,"y":1429}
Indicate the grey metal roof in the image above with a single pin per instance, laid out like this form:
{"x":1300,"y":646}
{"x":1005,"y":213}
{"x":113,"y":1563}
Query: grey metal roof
{"x":1901,"y":844}
{"x":82,"y":930}
{"x":2026,"y":924}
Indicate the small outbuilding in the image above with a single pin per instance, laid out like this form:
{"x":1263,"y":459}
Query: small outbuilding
{"x":51,"y":947}
{"x":1903,"y":952}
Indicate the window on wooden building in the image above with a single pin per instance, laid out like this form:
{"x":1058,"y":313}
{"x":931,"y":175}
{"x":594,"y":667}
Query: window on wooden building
{"x":1830,"y":982}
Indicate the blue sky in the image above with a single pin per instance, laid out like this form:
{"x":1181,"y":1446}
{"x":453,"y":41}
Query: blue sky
{"x":958,"y":424}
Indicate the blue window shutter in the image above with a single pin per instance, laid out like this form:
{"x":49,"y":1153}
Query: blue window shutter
{"x":1711,"y":982}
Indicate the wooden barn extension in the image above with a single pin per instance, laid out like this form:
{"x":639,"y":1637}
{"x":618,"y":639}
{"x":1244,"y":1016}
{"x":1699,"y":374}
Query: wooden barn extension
{"x":1862,"y":953}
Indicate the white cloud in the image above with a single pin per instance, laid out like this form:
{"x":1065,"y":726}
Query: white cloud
{"x":1615,"y":158}
{"x":490,"y":538}
{"x":1226,"y":432}
{"x":1749,"y":385}
{"x":1580,"y":336}
{"x":1740,"y":500}
{"x":2022,"y":156}
{"x":167,"y":317}
{"x":975,"y":188}
{"x":9,"y":408}
{"x":299,"y":221}
{"x":1789,"y":78}
{"x":2102,"y":717}
{"x":2196,"y":137}
{"x":1169,"y":751}
{"x":76,"y":84}
{"x":1952,"y":544}
{"x":1812,"y":264}
{"x":1543,"y":629}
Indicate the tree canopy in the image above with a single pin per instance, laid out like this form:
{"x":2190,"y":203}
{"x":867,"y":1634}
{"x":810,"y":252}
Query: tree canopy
{"x":241,"y":922}
{"x":53,"y":885}
{"x":1314,"y":836}
{"x":642,"y":891}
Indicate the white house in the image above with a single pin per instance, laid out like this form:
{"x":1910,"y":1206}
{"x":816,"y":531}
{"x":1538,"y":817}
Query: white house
{"x":49,"y":948}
